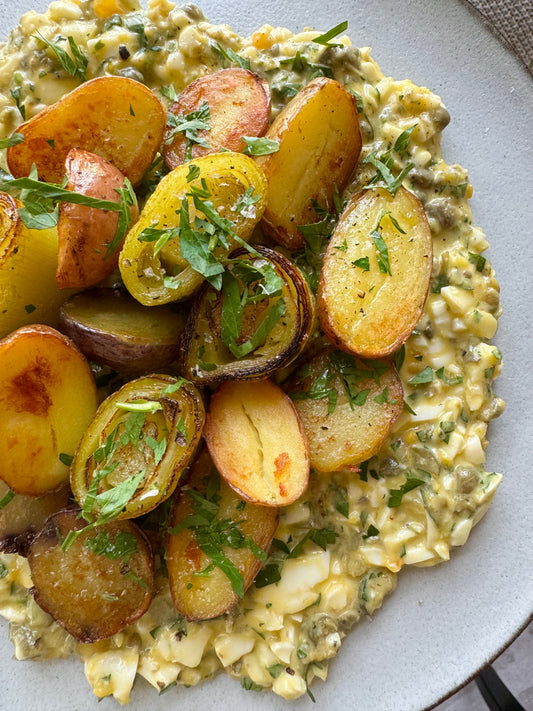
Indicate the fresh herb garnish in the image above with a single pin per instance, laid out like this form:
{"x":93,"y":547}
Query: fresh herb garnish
{"x":189,"y":125}
{"x":66,"y":459}
{"x":213,"y":534}
{"x":425,"y":376}
{"x":396,"y":495}
{"x":330,"y":34}
{"x":231,"y":56}
{"x":75,"y":65}
{"x":12,"y":140}
{"x":8,"y":496}
{"x":259,"y":146}
{"x":123,"y":545}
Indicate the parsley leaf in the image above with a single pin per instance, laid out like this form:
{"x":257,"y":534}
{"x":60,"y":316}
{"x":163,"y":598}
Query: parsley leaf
{"x":396,"y":495}
{"x":12,"y":140}
{"x":259,"y":146}
{"x":8,"y":496}
{"x":392,"y":184}
{"x":75,"y":65}
{"x":189,"y":125}
{"x":123,"y":546}
{"x":231,"y":56}
{"x":425,"y":376}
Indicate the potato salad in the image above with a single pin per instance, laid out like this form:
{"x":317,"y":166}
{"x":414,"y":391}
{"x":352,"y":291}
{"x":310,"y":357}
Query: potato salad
{"x":245,"y":360}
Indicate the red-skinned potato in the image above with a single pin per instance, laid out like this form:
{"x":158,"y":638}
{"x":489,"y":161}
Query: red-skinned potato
{"x":47,"y":398}
{"x":371,"y":294}
{"x":103,"y":582}
{"x":114,"y":117}
{"x":257,"y":442}
{"x":319,"y":146}
{"x":201,"y":597}
{"x":86,"y":252}
{"x":239,"y":105}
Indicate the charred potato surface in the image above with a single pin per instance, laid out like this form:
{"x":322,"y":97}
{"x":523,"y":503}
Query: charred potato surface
{"x":101,"y":584}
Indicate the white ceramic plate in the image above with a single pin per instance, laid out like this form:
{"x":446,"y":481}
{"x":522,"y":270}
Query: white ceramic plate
{"x":444,"y":623}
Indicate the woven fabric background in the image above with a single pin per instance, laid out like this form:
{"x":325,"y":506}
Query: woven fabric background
{"x":512,"y":20}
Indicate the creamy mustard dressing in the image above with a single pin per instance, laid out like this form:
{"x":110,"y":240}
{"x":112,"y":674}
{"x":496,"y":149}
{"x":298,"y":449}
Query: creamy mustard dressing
{"x":282,"y":635}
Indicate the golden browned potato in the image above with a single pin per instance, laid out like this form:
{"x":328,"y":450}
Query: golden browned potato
{"x":114,"y":117}
{"x":112,"y":328}
{"x":232,"y":102}
{"x":319,"y":145}
{"x":22,"y":517}
{"x":87,"y":252}
{"x":347,"y":407}
{"x":28,"y":263}
{"x":201,"y":590}
{"x":257,"y":442}
{"x":152,"y":263}
{"x":103,"y":582}
{"x":47,"y":399}
{"x":376,"y":272}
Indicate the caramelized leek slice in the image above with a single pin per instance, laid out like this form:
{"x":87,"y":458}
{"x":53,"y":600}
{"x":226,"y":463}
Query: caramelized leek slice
{"x":137,"y":447}
{"x":28,"y":263}
{"x":216,"y":545}
{"x":270,"y":307}
{"x":195,"y":216}
{"x":110,"y":327}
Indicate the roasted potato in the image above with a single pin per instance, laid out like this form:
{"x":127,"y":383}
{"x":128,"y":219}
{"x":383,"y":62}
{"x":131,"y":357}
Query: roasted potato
{"x":145,"y":434}
{"x":101,"y":584}
{"x":257,"y":442}
{"x":160,"y":275}
{"x":47,"y":399}
{"x":86,"y":253}
{"x":28,"y":262}
{"x":112,"y":328}
{"x":199,"y":590}
{"x":114,"y":117}
{"x":284,"y":341}
{"x":347,"y":407}
{"x":238,"y":104}
{"x":23,"y":517}
{"x":319,"y":145}
{"x":371,"y":294}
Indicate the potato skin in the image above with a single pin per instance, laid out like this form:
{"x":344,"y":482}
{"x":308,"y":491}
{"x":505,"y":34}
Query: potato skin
{"x":47,"y":398}
{"x":117,"y":118}
{"x":319,"y":146}
{"x":365,"y":311}
{"x":84,"y":233}
{"x":198,"y":597}
{"x":257,"y":420}
{"x":239,"y":105}
{"x":92,"y":596}
{"x":112,"y":328}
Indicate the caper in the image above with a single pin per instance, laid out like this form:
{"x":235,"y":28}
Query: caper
{"x":467,"y":479}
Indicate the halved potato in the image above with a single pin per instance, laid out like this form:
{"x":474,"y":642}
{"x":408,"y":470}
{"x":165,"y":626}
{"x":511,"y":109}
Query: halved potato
{"x":257,"y":442}
{"x":372,"y":290}
{"x":202,"y":595}
{"x":114,"y":117}
{"x":28,"y":262}
{"x":205,"y":356}
{"x":47,"y":399}
{"x":227,"y":180}
{"x":101,"y":584}
{"x":143,"y":435}
{"x":319,"y":146}
{"x":347,"y":407}
{"x":239,"y":105}
{"x":24,"y":516}
{"x":112,"y":328}
{"x":86,"y":253}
